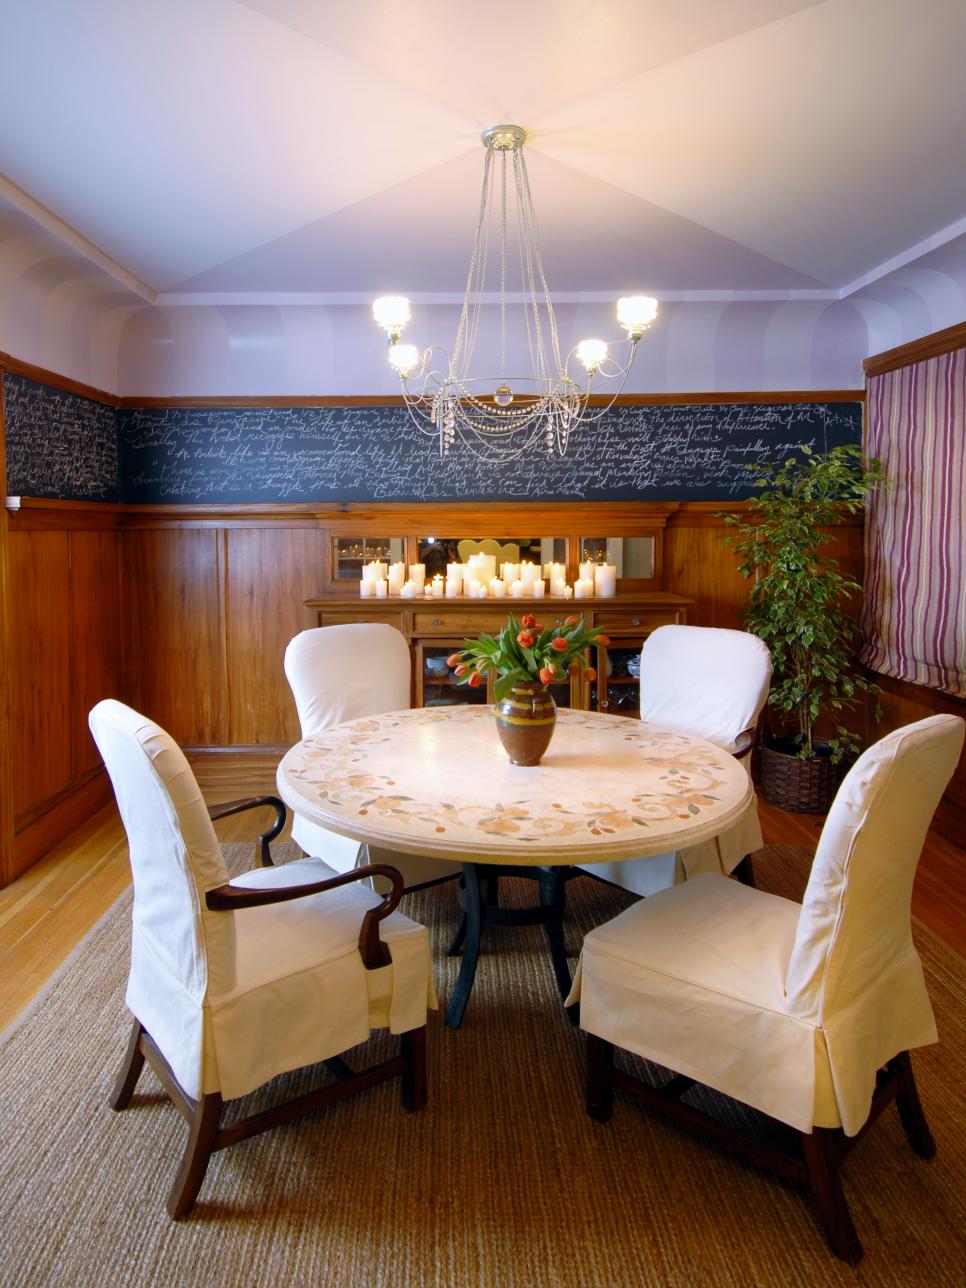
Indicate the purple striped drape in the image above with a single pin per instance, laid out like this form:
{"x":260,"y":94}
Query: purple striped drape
{"x":915,"y":597}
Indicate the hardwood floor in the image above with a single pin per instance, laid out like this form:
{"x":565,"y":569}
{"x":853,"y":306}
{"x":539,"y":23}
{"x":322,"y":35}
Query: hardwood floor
{"x":47,"y":912}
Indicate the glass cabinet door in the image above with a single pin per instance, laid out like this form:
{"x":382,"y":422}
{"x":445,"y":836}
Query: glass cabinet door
{"x":436,"y":685}
{"x":617,"y":688}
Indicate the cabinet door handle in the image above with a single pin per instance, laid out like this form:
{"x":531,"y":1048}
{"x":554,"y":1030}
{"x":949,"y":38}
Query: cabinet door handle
{"x":635,"y":621}
{"x":437,"y":621}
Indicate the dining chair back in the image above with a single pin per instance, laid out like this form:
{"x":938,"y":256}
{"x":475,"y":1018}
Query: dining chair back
{"x":340,"y":673}
{"x":714,"y":683}
{"x":234,"y":982}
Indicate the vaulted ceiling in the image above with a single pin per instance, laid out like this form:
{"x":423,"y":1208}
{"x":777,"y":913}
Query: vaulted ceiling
{"x":259,"y":149}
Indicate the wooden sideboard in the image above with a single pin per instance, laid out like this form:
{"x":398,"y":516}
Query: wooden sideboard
{"x":433,"y":628}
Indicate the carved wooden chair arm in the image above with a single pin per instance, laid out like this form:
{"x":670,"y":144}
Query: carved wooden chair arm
{"x":374,"y":953}
{"x":263,"y":854}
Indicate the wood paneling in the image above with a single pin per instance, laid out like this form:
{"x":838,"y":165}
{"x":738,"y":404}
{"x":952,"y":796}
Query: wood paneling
{"x":173,"y":657}
{"x":929,"y":346}
{"x":95,"y":634}
{"x":270,"y":571}
{"x":40,"y":664}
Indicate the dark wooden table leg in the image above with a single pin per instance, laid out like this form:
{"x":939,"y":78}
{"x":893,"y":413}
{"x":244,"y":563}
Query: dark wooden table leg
{"x":471,"y":947}
{"x":553,"y":894}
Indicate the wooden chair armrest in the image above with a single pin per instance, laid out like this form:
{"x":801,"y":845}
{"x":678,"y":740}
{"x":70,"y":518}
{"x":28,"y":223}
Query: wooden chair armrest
{"x":263,"y":854}
{"x":374,"y":953}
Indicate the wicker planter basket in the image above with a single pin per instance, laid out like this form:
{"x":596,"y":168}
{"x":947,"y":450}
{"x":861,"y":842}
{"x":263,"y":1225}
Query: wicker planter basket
{"x":802,"y":786}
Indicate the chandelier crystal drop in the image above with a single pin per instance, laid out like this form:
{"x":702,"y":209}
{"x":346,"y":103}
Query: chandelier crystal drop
{"x":501,"y":416}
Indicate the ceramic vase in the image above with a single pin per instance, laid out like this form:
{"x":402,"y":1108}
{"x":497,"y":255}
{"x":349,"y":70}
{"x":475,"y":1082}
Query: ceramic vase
{"x":525,"y":721}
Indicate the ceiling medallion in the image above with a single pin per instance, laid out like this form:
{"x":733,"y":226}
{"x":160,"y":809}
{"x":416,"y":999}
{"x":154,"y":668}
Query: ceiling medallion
{"x":500,"y":417}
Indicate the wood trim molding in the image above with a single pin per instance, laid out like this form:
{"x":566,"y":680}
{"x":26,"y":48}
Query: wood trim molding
{"x":597,"y":400}
{"x":929,"y":346}
{"x":18,"y":368}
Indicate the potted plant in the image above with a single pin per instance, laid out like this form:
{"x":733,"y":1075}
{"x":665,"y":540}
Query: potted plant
{"x":799,"y":607}
{"x":526,"y":658}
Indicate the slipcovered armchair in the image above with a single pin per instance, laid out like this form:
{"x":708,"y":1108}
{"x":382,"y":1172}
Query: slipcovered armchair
{"x":807,"y":1011}
{"x":714,"y":683}
{"x":339,"y":673}
{"x":235,"y":982}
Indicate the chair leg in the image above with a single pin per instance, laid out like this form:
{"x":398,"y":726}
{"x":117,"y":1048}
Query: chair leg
{"x":821,"y":1159}
{"x":910,"y":1108}
{"x":744,"y":872}
{"x":600,"y":1089}
{"x":413,"y":1047}
{"x":130,"y":1071}
{"x":202,"y":1130}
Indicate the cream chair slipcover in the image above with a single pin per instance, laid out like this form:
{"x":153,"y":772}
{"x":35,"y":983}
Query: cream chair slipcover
{"x":232,"y":999}
{"x":791,"y":1008}
{"x":714,"y":683}
{"x":340,"y":673}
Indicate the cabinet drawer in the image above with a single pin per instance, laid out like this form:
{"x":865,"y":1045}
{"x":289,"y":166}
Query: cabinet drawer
{"x":629,"y":620}
{"x":451,"y":621}
{"x":386,"y":616}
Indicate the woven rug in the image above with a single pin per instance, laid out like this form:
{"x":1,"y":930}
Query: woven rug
{"x":502,"y":1180}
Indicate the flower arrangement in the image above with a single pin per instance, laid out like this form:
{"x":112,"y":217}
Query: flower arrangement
{"x":526,"y":652}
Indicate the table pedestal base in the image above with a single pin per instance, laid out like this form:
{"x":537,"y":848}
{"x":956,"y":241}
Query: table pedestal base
{"x":479,"y":898}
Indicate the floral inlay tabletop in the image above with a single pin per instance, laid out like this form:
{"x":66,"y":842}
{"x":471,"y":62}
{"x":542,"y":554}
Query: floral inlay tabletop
{"x":437,"y":781}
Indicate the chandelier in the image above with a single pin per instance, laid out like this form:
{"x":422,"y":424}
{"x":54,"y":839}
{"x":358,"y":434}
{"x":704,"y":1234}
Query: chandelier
{"x":500,"y":417}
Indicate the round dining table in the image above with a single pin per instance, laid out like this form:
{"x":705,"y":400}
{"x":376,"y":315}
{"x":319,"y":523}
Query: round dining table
{"x":436,"y":781}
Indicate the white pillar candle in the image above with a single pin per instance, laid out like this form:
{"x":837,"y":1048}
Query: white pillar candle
{"x":516,"y":590}
{"x":538,"y":588}
{"x":587,"y":570}
{"x":382,"y":588}
{"x":397,"y":575}
{"x":605,"y":580}
{"x":452,"y":590}
{"x":584,"y":588}
{"x":408,"y":591}
{"x":528,"y":573}
{"x":437,"y":587}
{"x":454,"y":573}
{"x":510,"y":572}
{"x":568,"y":592}
{"x":552,"y":570}
{"x":558,"y":587}
{"x":367,"y":588}
{"x":481,"y":591}
{"x":497,"y":588}
{"x":417,"y":575}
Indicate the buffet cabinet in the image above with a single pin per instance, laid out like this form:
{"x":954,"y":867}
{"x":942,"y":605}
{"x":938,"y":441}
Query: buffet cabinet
{"x":435,"y":629}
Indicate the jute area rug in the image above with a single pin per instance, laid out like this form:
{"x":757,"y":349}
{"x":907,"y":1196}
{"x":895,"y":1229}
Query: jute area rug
{"x":502,"y":1180}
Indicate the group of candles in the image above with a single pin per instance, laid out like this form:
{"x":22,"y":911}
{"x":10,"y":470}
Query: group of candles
{"x":478,"y":580}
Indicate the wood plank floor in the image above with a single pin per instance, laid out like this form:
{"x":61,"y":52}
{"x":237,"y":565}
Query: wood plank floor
{"x":47,"y":912}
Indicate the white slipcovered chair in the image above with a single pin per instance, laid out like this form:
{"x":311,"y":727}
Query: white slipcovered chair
{"x":234,"y":982}
{"x":806,"y":1011}
{"x":340,"y":673}
{"x":714,"y":683}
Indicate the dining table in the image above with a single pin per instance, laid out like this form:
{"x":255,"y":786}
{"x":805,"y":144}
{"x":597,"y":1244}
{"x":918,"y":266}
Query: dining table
{"x":436,"y":781}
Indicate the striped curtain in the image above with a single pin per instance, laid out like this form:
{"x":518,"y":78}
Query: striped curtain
{"x":915,"y":601}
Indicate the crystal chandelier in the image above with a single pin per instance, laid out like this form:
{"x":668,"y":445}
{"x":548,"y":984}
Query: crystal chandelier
{"x":498,"y":418}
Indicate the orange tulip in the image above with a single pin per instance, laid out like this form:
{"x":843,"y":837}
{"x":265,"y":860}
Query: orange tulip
{"x":602,"y":639}
{"x":571,"y":621}
{"x":591,"y":673}
{"x":528,"y":620}
{"x":461,"y":669}
{"x":560,"y":644}
{"x":526,"y":639}
{"x":475,"y":680}
{"x":546,"y":675}
{"x":454,"y":659}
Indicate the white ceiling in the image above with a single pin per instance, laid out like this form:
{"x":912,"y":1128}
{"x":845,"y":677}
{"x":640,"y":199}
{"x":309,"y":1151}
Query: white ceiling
{"x":254,"y":149}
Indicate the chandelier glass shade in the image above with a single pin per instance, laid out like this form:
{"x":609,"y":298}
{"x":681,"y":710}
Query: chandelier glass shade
{"x":539,"y":401}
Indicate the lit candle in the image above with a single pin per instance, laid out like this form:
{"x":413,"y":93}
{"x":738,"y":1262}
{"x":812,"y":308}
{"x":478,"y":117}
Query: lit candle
{"x":397,"y":575}
{"x":382,"y":588}
{"x":516,"y":590}
{"x":454,"y":573}
{"x":417,"y":575}
{"x":438,"y":586}
{"x":587,"y":570}
{"x":552,"y":570}
{"x":605,"y":580}
{"x":366,"y":588}
{"x":538,"y":588}
{"x":510,"y":572}
{"x":558,"y":587}
{"x":584,"y":588}
{"x":528,"y":573}
{"x":568,"y":592}
{"x":409,"y":590}
{"x":497,"y":587}
{"x":481,"y":590}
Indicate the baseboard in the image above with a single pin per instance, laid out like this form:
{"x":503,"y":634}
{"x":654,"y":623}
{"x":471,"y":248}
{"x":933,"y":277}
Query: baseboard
{"x":54,"y":820}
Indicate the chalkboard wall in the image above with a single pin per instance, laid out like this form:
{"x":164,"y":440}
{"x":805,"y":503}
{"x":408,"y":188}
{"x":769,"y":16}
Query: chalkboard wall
{"x":58,"y":444}
{"x":62,"y":445}
{"x":684,"y":451}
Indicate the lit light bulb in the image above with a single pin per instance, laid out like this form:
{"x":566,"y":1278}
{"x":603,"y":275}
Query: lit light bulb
{"x":403,"y":357}
{"x":592,"y":353}
{"x":635,"y":313}
{"x":503,"y":396}
{"x":391,"y":312}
